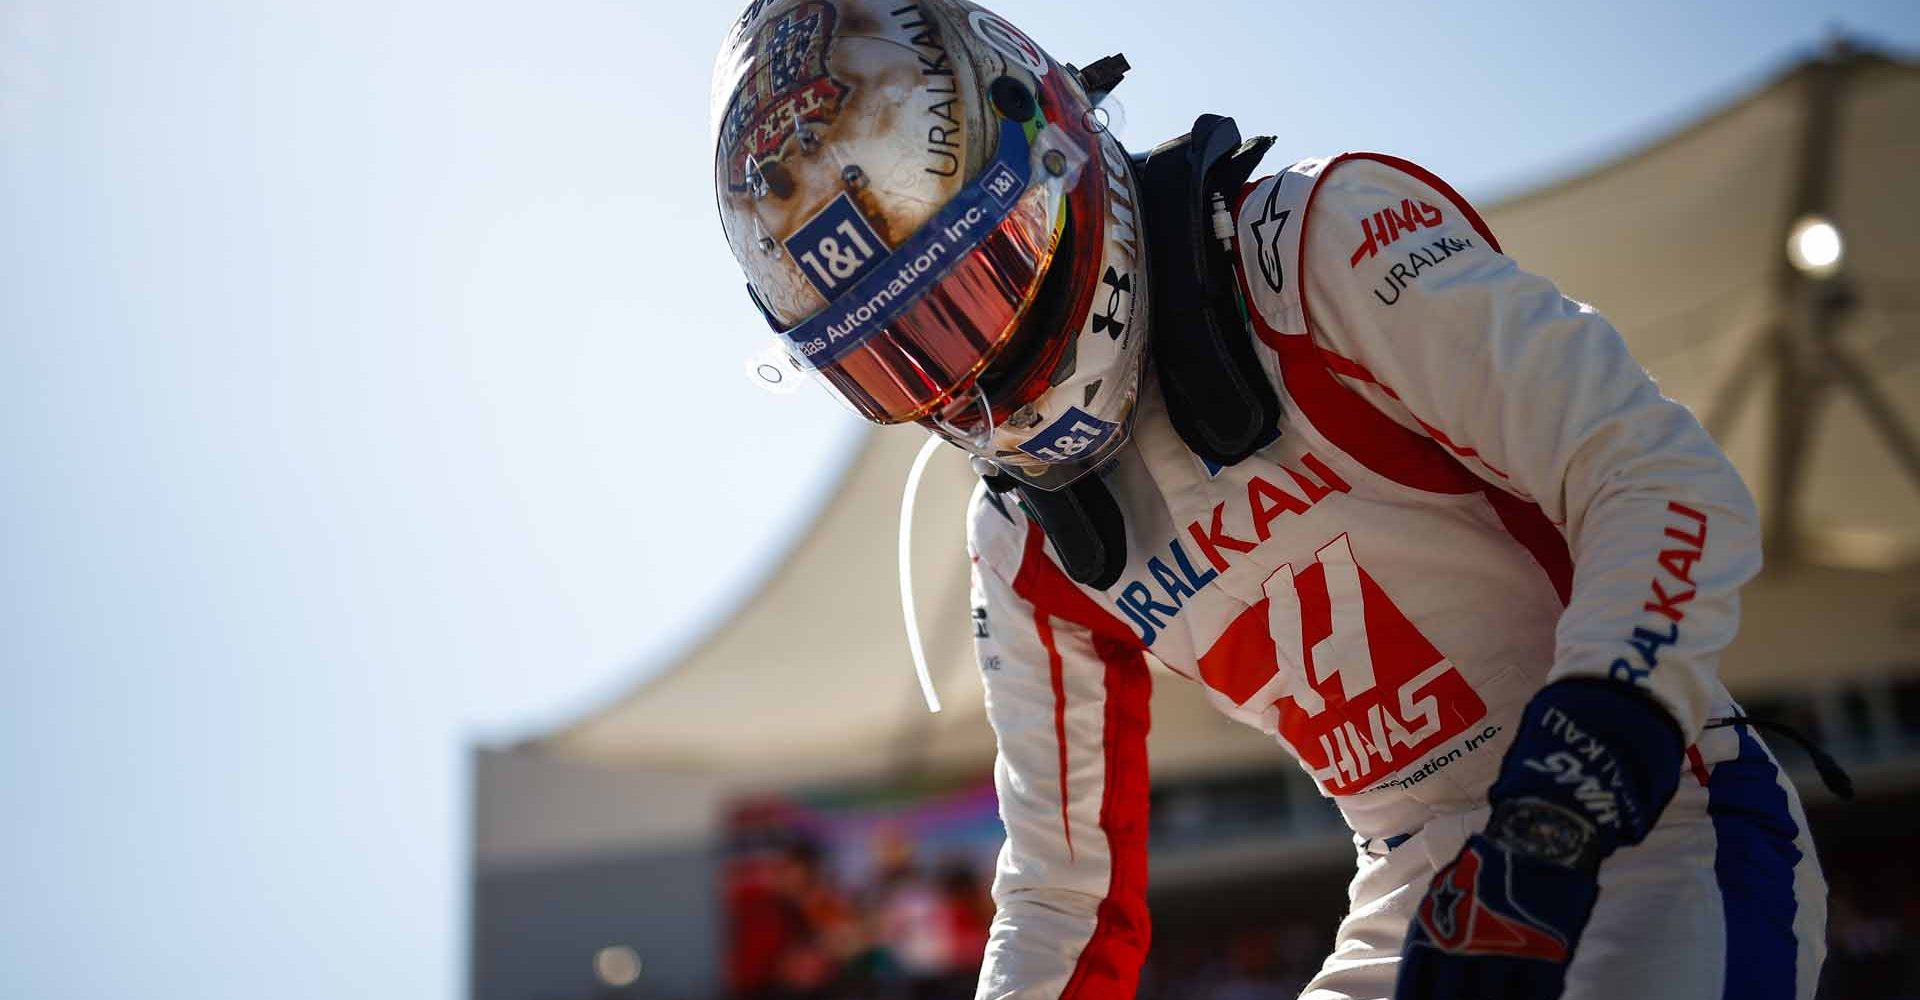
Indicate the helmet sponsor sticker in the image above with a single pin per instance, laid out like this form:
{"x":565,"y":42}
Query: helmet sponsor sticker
{"x":1009,"y":41}
{"x":943,"y":109}
{"x":878,"y":290}
{"x":1107,"y":318}
{"x":836,"y":248}
{"x":1076,"y":433}
{"x":788,"y":89}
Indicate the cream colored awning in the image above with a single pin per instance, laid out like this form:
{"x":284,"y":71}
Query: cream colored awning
{"x":1814,"y":389}
{"x":1682,"y":246}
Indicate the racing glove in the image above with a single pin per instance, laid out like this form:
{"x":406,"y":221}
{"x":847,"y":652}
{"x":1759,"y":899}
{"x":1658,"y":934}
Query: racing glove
{"x":1591,"y":768}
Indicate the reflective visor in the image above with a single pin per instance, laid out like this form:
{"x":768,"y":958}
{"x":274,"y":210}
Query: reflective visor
{"x":947,"y":336}
{"x":929,"y":315}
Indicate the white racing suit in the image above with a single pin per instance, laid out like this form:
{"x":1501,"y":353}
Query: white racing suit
{"x":1475,"y":491}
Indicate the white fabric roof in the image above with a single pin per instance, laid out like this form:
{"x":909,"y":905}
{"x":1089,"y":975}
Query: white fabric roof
{"x":1680,"y":244}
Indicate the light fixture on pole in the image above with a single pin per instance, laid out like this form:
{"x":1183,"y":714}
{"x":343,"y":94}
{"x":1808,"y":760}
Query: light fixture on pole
{"x":1815,"y":248}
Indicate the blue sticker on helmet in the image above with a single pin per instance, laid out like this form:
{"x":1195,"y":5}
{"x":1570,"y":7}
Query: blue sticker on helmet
{"x":1002,"y":183}
{"x":875,"y":290}
{"x":1075,"y":435}
{"x":837,"y":248}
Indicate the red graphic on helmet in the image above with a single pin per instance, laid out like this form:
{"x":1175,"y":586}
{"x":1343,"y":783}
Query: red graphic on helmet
{"x":1011,"y":41}
{"x":788,"y":88}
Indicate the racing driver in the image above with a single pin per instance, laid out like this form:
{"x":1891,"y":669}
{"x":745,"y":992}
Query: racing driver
{"x":1316,"y":444}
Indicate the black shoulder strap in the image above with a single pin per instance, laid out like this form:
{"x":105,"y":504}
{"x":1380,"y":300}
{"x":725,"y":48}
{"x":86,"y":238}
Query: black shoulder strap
{"x":1218,"y":397}
{"x":1083,"y":521}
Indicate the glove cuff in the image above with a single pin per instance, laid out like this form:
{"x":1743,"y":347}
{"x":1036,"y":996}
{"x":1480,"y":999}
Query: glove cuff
{"x":1593,"y":765}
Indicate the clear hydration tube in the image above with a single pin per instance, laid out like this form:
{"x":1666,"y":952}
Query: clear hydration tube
{"x":906,"y":572}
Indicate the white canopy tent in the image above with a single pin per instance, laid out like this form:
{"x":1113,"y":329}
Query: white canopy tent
{"x":1812,"y":384}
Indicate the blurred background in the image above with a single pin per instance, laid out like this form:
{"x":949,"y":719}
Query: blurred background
{"x":403,"y":584}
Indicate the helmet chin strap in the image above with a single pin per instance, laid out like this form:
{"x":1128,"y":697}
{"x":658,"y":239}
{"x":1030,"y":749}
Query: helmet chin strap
{"x":1084,"y":523}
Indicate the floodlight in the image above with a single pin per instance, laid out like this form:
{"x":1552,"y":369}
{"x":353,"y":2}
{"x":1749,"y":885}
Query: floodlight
{"x":1815,"y":248}
{"x":618,"y":966}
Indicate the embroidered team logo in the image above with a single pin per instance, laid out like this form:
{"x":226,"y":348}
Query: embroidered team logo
{"x":789,"y":88}
{"x":1459,"y":921}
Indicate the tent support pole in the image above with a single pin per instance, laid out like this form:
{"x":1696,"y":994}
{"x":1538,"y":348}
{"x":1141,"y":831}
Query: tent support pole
{"x":1800,"y":385}
{"x":1732,"y":395}
{"x":1880,"y":413}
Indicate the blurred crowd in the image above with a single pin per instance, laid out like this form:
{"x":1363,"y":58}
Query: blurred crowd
{"x":1272,"y":961}
{"x":914,"y":934}
{"x":906,"y":934}
{"x":1873,"y":925}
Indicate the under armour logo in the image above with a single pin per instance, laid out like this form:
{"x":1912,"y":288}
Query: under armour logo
{"x":1109,"y":322}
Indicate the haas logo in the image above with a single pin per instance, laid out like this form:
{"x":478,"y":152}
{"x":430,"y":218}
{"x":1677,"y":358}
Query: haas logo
{"x":1344,"y":677}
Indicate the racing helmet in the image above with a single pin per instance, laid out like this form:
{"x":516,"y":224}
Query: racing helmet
{"x":935,"y":222}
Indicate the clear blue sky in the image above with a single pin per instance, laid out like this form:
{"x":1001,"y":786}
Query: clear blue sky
{"x":370,"y":385}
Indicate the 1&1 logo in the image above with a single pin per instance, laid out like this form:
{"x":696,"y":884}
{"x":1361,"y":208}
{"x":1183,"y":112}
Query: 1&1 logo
{"x":836,"y":248}
{"x":1077,"y":433}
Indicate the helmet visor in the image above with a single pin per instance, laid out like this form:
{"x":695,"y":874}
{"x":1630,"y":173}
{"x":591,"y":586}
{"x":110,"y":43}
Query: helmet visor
{"x":914,"y":325}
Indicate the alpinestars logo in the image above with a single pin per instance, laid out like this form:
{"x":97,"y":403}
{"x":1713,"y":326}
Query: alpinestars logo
{"x":1266,"y":237}
{"x":1459,"y":921}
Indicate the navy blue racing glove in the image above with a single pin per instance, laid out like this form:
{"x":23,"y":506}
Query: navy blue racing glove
{"x":1591,"y":768}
